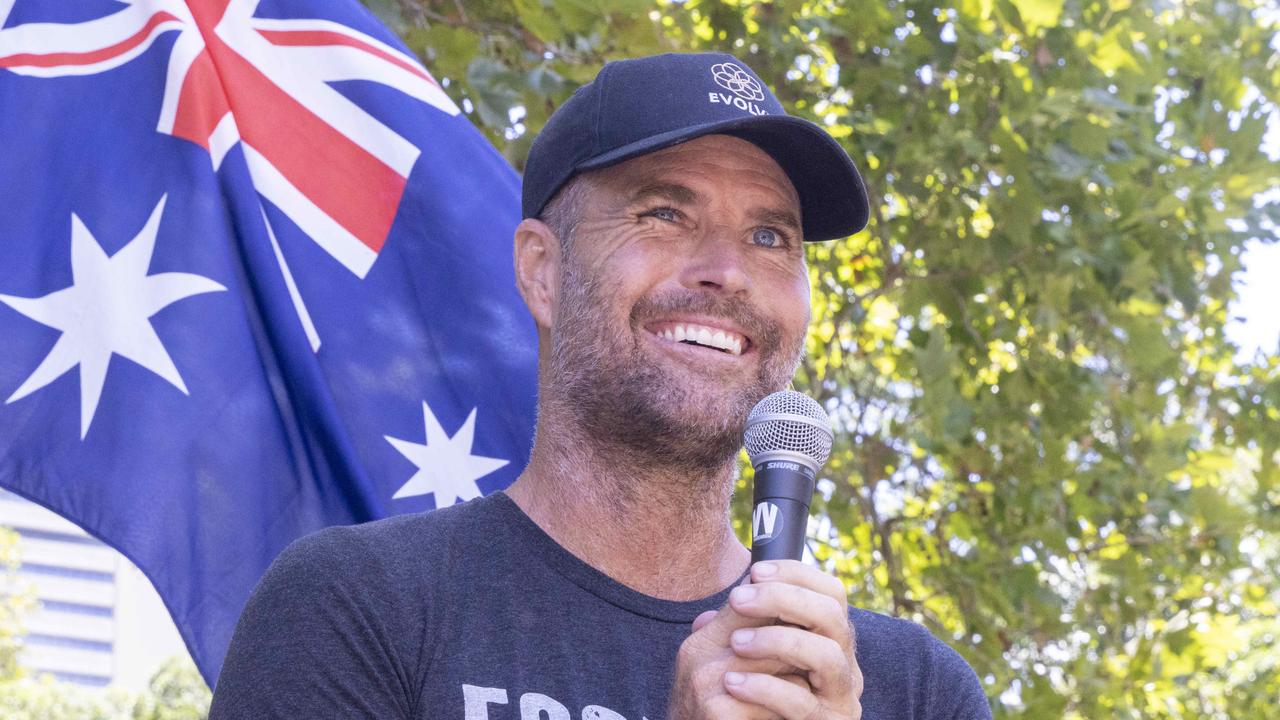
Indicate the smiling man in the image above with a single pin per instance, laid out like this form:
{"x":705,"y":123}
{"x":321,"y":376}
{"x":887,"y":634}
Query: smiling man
{"x":666,"y":205}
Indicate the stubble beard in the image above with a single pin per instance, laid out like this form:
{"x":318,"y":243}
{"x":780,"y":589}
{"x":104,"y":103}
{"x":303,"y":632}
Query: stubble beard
{"x":628,"y":401}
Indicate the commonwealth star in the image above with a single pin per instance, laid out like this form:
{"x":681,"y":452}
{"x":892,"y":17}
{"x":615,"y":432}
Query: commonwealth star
{"x":446,"y":466}
{"x":106,"y":311}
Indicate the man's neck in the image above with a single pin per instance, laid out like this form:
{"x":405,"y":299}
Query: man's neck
{"x":661,"y":532}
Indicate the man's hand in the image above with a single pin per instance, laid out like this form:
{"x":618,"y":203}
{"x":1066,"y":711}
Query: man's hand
{"x":782,"y":647}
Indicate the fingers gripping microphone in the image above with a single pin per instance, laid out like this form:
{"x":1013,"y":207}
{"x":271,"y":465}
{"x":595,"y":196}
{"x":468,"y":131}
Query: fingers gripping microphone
{"x":788,"y":438}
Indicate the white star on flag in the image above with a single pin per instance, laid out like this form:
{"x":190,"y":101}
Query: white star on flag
{"x":106,"y":311}
{"x":446,"y":466}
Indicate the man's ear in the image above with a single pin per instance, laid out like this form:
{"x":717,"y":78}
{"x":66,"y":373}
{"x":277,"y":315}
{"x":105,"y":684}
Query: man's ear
{"x":537,"y":265}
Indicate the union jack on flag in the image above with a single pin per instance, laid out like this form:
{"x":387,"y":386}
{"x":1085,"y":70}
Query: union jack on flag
{"x":255,"y":279}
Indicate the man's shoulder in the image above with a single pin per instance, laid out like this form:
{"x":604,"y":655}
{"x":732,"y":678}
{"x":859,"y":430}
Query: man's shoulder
{"x":877,"y":628}
{"x":399,"y":545}
{"x":925,"y":669}
{"x":881,"y":635}
{"x":397,"y":527}
{"x":366,"y":598}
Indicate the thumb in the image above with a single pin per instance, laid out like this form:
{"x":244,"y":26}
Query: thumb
{"x":702,"y":620}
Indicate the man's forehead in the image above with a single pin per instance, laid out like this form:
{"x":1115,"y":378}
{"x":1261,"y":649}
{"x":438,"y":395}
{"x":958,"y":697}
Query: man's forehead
{"x":676,"y":171}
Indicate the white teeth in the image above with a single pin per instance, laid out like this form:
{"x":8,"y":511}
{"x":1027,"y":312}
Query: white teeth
{"x":701,"y":335}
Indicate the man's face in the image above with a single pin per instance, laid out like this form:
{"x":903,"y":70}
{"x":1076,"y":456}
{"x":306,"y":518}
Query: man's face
{"x":684,"y":298}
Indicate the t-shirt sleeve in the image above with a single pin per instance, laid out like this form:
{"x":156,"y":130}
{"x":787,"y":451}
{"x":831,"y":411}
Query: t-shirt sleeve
{"x":957,"y":693}
{"x":911,"y":675}
{"x":314,"y":640}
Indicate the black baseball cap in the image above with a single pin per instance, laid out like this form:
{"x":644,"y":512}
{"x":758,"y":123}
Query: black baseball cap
{"x":634,"y":107}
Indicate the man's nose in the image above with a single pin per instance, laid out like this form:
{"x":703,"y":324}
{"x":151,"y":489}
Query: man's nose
{"x":716,"y":261}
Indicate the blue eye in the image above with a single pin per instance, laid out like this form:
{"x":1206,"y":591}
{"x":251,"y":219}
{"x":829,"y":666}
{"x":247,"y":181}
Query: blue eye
{"x":664,"y":213}
{"x":766,"y":237}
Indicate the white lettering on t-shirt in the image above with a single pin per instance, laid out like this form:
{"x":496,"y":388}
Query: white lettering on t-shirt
{"x":475,"y":700}
{"x":532,"y":705}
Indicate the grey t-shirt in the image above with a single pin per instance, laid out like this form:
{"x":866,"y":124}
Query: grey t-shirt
{"x":472,"y":612}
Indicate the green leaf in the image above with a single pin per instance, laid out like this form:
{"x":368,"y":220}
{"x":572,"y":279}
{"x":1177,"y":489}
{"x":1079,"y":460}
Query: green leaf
{"x":1066,"y":163}
{"x":537,"y":17}
{"x":495,"y":93}
{"x":1038,"y":14}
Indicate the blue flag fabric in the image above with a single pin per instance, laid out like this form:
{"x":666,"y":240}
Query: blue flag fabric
{"x":255,"y":279}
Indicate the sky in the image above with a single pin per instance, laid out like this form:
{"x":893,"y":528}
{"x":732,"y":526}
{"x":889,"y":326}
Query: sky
{"x":1257,"y":307}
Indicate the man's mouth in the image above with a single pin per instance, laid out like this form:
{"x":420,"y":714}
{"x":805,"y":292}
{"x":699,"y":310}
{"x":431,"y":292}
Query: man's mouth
{"x":726,"y":341}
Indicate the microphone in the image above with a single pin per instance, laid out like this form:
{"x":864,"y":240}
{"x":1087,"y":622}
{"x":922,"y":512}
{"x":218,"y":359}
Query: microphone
{"x":788,"y":438}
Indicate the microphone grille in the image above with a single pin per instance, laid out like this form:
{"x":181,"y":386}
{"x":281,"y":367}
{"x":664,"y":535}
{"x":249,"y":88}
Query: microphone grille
{"x":789,"y":421}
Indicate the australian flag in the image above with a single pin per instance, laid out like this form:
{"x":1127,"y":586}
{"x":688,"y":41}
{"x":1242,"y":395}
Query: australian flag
{"x":255,"y":279}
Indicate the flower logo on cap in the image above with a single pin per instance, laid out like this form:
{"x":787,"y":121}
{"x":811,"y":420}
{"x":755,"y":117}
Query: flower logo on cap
{"x":733,"y":78}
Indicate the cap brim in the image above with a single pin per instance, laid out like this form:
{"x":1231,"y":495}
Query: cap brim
{"x":833,"y":199}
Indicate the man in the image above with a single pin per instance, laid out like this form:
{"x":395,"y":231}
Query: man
{"x":661,"y":258}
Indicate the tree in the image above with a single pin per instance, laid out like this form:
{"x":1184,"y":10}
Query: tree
{"x":44,"y":698}
{"x":15,"y":600}
{"x":177,"y":692}
{"x":1048,"y":452}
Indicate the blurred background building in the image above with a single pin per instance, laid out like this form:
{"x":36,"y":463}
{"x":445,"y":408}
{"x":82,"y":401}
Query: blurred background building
{"x":98,"y":621}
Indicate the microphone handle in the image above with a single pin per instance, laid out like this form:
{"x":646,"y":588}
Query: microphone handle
{"x":781,"y":497}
